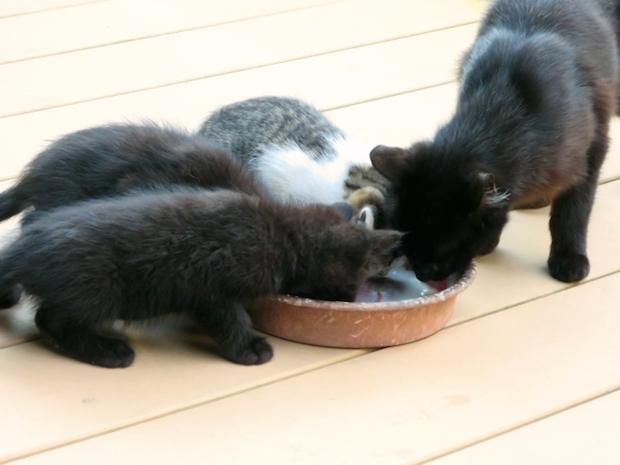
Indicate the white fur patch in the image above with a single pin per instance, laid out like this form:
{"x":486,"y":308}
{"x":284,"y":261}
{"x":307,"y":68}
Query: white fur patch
{"x":292,"y":176}
{"x":366,"y":216}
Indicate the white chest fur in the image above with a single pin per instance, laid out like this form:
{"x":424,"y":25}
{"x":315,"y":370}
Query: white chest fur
{"x":290,"y":175}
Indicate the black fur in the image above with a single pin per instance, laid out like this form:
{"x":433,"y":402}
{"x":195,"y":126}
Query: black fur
{"x":203,"y":253}
{"x":115,"y":159}
{"x":537,"y":91}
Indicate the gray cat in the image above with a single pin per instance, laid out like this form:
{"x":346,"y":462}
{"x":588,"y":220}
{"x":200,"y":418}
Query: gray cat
{"x":300,"y":156}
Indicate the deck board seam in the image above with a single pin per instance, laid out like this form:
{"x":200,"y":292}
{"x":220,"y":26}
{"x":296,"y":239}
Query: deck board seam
{"x":387,"y":96}
{"x":346,"y":357}
{"x":534,"y":299}
{"x":233,"y":71}
{"x":169,"y":33}
{"x":600,"y":395}
{"x":76,"y":5}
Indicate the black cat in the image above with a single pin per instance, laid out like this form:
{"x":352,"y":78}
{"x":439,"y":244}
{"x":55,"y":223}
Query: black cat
{"x":112,"y":160}
{"x":198,"y":252}
{"x":537,"y":91}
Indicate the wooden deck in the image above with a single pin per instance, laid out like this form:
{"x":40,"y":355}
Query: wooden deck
{"x":528,"y":369}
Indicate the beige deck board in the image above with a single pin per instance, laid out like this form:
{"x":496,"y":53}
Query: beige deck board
{"x":23,"y":7}
{"x":329,"y":81}
{"x":584,"y":435}
{"x":113,"y":21}
{"x":49,"y":400}
{"x":526,"y":371}
{"x":401,"y":405}
{"x":128,"y":67}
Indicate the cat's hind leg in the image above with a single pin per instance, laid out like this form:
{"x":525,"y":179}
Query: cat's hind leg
{"x":80,"y":342}
{"x":229,"y":325}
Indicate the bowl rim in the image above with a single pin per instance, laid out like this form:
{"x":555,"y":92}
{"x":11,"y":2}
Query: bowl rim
{"x":463,"y":283}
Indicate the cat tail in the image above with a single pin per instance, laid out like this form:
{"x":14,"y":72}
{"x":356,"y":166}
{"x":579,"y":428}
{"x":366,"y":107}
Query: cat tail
{"x":10,"y":290}
{"x":11,"y":203}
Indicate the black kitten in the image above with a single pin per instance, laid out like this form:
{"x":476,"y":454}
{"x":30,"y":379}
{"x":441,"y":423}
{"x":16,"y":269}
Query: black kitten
{"x":204,"y":253}
{"x":115,"y":159}
{"x":537,"y":91}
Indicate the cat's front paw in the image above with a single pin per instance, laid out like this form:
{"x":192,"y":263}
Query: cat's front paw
{"x":99,"y":350}
{"x":256,"y":352}
{"x":568,"y":267}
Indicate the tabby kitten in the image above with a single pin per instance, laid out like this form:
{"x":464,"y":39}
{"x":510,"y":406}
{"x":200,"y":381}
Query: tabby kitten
{"x":115,"y":159}
{"x":537,"y":91}
{"x":300,"y":156}
{"x":203,"y":253}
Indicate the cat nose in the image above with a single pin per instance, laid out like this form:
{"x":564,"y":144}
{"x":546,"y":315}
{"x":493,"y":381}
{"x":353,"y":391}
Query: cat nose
{"x":424,"y":273}
{"x":431,"y":272}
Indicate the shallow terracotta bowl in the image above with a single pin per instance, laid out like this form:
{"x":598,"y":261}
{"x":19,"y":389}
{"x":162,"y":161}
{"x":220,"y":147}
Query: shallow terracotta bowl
{"x":359,"y":325}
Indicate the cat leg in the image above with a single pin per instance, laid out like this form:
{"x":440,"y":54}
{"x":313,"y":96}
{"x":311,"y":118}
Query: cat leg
{"x":569,"y":221}
{"x":570,"y":215}
{"x":78,"y":341}
{"x":10,"y":291}
{"x":10,"y":296}
{"x":229,"y":325}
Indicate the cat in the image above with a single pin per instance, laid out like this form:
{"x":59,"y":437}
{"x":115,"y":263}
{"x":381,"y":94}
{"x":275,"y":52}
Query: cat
{"x":114,"y":159}
{"x":198,"y":252}
{"x":537,"y":91}
{"x":299,"y":155}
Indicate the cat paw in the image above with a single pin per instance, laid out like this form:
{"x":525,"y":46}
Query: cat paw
{"x":10,"y":298}
{"x":105,"y":352}
{"x":256,"y":352}
{"x":568,"y":267}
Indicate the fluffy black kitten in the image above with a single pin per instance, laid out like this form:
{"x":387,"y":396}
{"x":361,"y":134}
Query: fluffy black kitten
{"x":115,"y":159}
{"x":203,"y":253}
{"x":537,"y":91}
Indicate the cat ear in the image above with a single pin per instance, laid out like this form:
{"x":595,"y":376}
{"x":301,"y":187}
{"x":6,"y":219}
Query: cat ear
{"x":389,"y":161}
{"x":345,"y":209}
{"x":491,"y":195}
{"x":471,"y":193}
{"x":488,"y":181}
{"x":384,"y":239}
